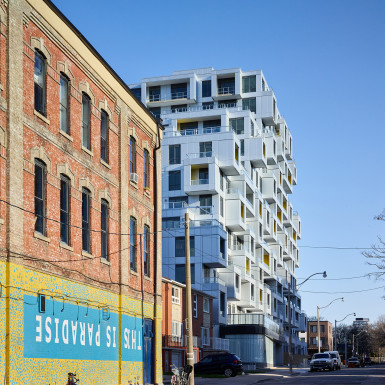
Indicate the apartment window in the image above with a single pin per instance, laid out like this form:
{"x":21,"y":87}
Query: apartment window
{"x":104,"y":136}
{"x":146,"y":169}
{"x":132,"y":155}
{"x":237,"y":282}
{"x":222,"y":248}
{"x":86,"y":116}
{"x":195,"y":306}
{"x":205,"y":149}
{"x":177,"y":331}
{"x":40,"y":83}
{"x":248,"y":84}
{"x":252,"y":294}
{"x":170,"y":223}
{"x":206,"y":88}
{"x":313,"y":341}
{"x":205,"y":203}
{"x":313,"y":328}
{"x":137,"y":92}
{"x":222,"y":304}
{"x":156,"y":111}
{"x":133,"y":243}
{"x":205,"y":332}
{"x":86,"y":215}
{"x":64,"y":209}
{"x":251,"y":128}
{"x":203,"y":175}
{"x":322,"y":328}
{"x":226,"y":86}
{"x":64,"y":104}
{"x":237,"y":126}
{"x":177,"y":202}
{"x":180,"y":246}
{"x":221,"y":207}
{"x":180,"y":274}
{"x":242,"y":147}
{"x":208,"y":106}
{"x":154,"y":94}
{"x":249,"y":104}
{"x":174,"y":154}
{"x":179,"y":91}
{"x":104,"y":214}
{"x":174,"y":180}
{"x":40,"y":186}
{"x":146,"y":251}
{"x":175,"y":295}
{"x":206,"y":305}
{"x":188,"y":128}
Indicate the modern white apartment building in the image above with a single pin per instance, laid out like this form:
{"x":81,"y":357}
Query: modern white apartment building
{"x":227,"y":159}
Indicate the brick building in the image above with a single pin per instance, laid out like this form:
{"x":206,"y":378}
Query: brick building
{"x":80,"y":262}
{"x":174,"y":326}
{"x":326,"y":334}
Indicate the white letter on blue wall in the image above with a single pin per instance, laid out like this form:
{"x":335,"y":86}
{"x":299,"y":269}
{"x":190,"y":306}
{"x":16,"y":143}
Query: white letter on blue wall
{"x":64,"y":331}
{"x":57,"y":330}
{"x":90,"y":333}
{"x":97,"y":337}
{"x":108,"y":336}
{"x":126,"y":338}
{"x":48,"y":329}
{"x":82,"y":333}
{"x":38,"y":328}
{"x":74,"y":330}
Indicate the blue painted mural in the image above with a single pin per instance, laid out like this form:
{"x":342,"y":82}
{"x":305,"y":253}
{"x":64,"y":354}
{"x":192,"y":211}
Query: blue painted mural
{"x":71,"y":331}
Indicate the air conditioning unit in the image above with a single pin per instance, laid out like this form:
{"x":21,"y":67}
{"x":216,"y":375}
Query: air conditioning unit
{"x":134,"y":177}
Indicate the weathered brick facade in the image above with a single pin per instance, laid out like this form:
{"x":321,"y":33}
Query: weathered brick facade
{"x":31,"y":26}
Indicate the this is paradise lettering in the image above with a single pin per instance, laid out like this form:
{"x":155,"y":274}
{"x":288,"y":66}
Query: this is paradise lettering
{"x":55,"y":331}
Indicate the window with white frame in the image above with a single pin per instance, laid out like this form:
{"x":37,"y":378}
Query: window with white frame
{"x":206,"y":305}
{"x":205,"y":332}
{"x":177,"y":330}
{"x":195,"y":306}
{"x":175,"y":294}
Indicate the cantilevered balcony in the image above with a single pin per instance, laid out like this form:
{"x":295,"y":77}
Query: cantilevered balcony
{"x":267,"y":107}
{"x":257,"y":152}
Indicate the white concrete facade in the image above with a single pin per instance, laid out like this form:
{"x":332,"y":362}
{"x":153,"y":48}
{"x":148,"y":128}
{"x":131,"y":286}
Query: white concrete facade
{"x":227,"y":159}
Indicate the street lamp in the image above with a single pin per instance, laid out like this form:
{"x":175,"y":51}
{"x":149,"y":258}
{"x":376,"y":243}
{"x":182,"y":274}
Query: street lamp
{"x":289,"y":303}
{"x":357,"y":336}
{"x":318,"y":327}
{"x":335,"y":328}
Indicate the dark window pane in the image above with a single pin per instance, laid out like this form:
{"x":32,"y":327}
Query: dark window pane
{"x":146,"y":169}
{"x":104,"y":228}
{"x":132,"y":155}
{"x":206,"y":88}
{"x":86,"y":115}
{"x":249,"y":84}
{"x":174,"y":180}
{"x":179,"y":91}
{"x":180,"y":274}
{"x":40,"y":175}
{"x":133,"y":243}
{"x":155,"y":111}
{"x":40,"y":83}
{"x":174,"y":154}
{"x":64,"y":83}
{"x":64,"y":209}
{"x":237,"y":125}
{"x":154,"y":94}
{"x":104,"y":136}
{"x":137,"y":92}
{"x":146,"y":254}
{"x":249,"y":104}
{"x":86,"y":220}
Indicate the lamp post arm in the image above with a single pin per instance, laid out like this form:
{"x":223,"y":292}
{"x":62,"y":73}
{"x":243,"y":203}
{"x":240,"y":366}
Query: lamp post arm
{"x":323,"y":307}
{"x":323,"y":273}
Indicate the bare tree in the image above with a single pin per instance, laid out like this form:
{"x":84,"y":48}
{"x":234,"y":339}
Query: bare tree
{"x":376,"y":255}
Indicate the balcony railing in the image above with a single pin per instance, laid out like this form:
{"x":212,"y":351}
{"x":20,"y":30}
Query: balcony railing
{"x":234,"y":191}
{"x":220,"y":344}
{"x":214,"y":280}
{"x":205,"y":222}
{"x":199,"y":108}
{"x":179,"y":341}
{"x":175,"y":205}
{"x":203,"y":154}
{"x":226,"y":90}
{"x":179,"y":95}
{"x":254,"y":319}
{"x":196,"y":182}
{"x":171,"y":96}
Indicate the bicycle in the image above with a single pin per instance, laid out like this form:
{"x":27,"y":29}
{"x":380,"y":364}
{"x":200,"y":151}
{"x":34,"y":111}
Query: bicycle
{"x":72,"y":380}
{"x":181,"y":375}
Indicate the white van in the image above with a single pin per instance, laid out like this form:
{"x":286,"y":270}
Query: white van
{"x":336,"y":358}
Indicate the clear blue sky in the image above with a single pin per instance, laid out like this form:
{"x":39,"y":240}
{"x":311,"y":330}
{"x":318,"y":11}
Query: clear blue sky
{"x":325,"y":61}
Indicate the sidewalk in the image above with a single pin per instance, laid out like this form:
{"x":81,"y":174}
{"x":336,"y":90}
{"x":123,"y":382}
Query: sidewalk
{"x":267,"y":373}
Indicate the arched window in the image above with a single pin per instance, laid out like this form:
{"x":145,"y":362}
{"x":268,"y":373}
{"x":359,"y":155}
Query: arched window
{"x":65,"y":186}
{"x":86,"y":220}
{"x":146,"y":169}
{"x":40,"y":190}
{"x":40,"y":83}
{"x":104,"y":210}
{"x":104,"y":136}
{"x":86,"y":121}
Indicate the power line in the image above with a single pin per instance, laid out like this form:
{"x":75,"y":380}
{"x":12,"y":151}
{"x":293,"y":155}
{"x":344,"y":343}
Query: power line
{"x":341,"y":292}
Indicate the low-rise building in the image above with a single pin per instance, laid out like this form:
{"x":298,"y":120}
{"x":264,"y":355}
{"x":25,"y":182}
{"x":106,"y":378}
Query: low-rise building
{"x":326,"y":336}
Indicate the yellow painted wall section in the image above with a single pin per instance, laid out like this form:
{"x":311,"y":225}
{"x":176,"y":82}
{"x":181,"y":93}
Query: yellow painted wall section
{"x":24,"y":370}
{"x":266,"y":259}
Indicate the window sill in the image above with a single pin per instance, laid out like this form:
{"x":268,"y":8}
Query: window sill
{"x":67,"y":136}
{"x":41,"y":237}
{"x":133,"y":272}
{"x":147,"y":278}
{"x":133,"y":184}
{"x":41,"y":116}
{"x":147,"y":192}
{"x":87,"y":255}
{"x":65,"y":246}
{"x":105,"y":261}
{"x":105,"y":164}
{"x":89,"y":152}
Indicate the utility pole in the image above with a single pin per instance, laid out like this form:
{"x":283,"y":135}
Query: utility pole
{"x":335,"y":335}
{"x":190,"y":352}
{"x":346,"y":352}
{"x":289,"y":304}
{"x":318,"y":331}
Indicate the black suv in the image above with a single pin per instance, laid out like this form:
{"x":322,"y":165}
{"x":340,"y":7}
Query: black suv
{"x":226,"y":363}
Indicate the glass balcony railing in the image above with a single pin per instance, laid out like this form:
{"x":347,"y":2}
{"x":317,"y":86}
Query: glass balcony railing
{"x":179,"y":95}
{"x":203,"y":154}
{"x":177,"y":109}
{"x":214,"y":280}
{"x":196,"y":182}
{"x":226,"y":90}
{"x":171,"y":96}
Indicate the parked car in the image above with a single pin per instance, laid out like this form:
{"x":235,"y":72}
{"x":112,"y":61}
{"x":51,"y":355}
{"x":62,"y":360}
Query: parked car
{"x":336,"y":358}
{"x":353,"y":362}
{"x":225,"y":363}
{"x":321,"y":361}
